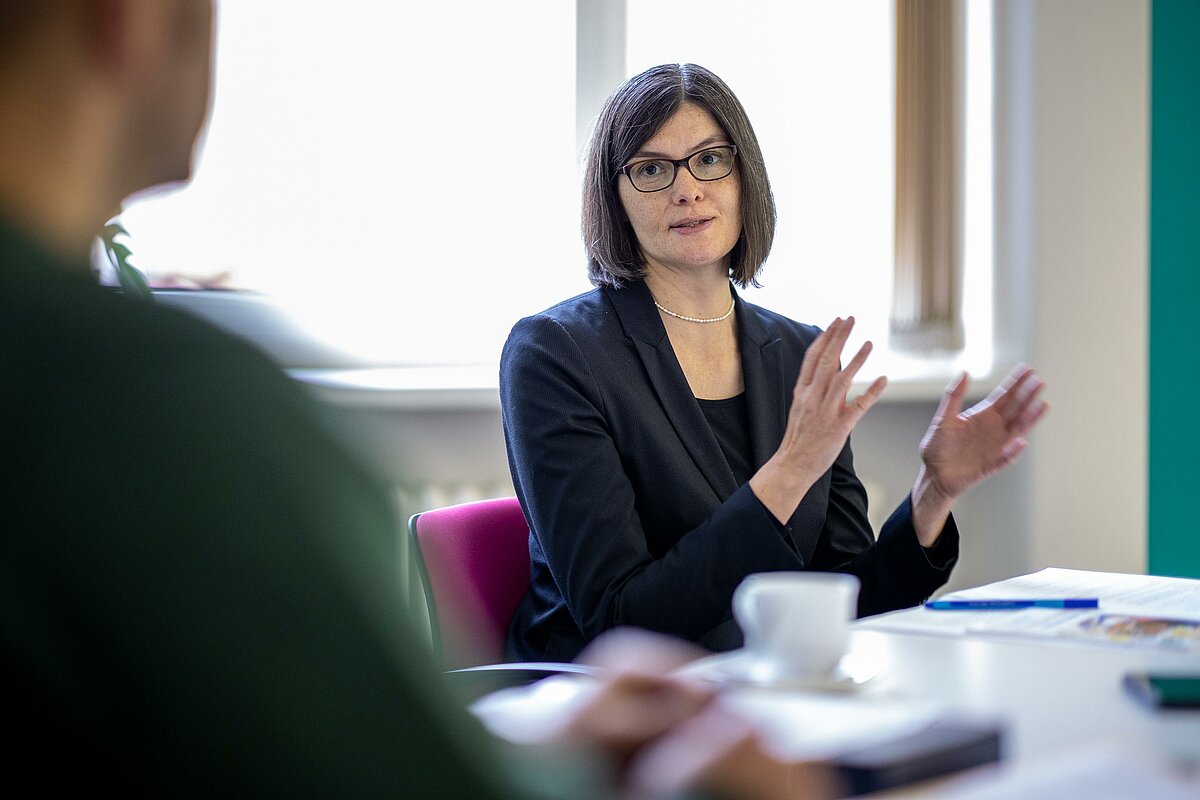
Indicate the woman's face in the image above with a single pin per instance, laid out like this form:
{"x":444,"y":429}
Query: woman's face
{"x":691,"y":225}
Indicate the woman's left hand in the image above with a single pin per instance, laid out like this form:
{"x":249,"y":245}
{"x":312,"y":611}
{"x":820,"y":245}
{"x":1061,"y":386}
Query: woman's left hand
{"x":962,"y":448}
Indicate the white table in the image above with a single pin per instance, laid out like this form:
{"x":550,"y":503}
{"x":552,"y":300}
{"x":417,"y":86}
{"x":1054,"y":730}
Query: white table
{"x":1051,"y":695}
{"x":1055,"y":700}
{"x":1052,"y":698}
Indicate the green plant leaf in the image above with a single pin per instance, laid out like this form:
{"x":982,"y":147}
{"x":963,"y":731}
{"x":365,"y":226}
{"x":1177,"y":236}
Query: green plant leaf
{"x":114,"y":229}
{"x":120,"y":251}
{"x":132,"y":281}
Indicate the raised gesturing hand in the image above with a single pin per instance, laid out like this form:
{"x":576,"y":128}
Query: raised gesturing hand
{"x":822,"y":415}
{"x":819,"y":421}
{"x":962,"y":448}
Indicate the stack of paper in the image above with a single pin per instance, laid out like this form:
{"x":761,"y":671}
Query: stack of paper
{"x":1134,"y":610}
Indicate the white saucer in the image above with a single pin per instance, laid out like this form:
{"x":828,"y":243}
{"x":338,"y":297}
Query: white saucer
{"x":743,"y":671}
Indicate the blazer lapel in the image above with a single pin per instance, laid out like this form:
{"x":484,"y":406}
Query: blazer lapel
{"x":635,"y":308}
{"x":768,"y":398}
{"x":762,"y":372}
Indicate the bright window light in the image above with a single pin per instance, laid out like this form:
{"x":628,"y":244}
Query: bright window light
{"x":818,"y":82}
{"x":404,"y":178}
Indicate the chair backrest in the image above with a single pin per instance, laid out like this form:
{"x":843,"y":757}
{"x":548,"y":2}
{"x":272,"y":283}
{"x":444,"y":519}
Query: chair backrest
{"x":473,"y":560}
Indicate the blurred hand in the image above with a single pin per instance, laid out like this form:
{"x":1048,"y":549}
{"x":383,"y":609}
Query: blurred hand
{"x":638,"y":700}
{"x":667,"y":734}
{"x":962,"y":448}
{"x":819,"y":421}
{"x":719,"y":753}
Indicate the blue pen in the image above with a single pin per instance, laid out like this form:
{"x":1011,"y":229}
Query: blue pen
{"x":1001,"y":605}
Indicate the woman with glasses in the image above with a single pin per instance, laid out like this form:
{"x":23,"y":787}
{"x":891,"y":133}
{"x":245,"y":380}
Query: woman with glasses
{"x":667,"y":438}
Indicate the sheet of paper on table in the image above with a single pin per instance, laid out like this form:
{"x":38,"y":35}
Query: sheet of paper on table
{"x":1135,"y":610}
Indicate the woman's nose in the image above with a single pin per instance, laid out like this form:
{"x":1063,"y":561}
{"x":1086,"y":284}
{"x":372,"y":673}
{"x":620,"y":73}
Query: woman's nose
{"x":686,"y":189}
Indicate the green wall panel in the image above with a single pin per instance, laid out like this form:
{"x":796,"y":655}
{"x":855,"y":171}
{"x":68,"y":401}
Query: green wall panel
{"x":1174,"y":424}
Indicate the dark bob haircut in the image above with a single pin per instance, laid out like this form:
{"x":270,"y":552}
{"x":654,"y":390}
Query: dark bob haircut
{"x":631,"y":116}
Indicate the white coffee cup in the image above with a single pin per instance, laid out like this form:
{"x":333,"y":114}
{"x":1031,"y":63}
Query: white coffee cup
{"x":796,"y":624}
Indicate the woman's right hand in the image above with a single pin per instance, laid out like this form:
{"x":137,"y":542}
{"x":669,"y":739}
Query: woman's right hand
{"x":819,"y":422}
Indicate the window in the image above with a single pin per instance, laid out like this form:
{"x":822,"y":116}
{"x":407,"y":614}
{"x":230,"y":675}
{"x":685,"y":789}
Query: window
{"x":401,"y":176}
{"x":818,"y":82}
{"x":405,"y":178}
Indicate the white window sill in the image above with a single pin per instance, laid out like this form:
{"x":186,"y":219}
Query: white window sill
{"x":471,"y":387}
{"x":475,"y":387}
{"x":334,"y":378}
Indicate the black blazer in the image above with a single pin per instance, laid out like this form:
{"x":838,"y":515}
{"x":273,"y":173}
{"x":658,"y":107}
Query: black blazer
{"x":635,"y":516}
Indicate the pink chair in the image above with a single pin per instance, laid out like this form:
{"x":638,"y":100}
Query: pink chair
{"x":473,"y":562}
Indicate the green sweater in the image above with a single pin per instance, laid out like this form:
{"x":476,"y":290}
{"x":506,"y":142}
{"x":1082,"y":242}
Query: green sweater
{"x":198,"y":585}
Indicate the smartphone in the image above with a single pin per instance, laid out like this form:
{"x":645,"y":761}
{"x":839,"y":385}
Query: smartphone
{"x":1164,"y":690}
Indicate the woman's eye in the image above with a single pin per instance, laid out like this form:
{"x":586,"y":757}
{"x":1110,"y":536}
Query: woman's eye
{"x":649,"y":169}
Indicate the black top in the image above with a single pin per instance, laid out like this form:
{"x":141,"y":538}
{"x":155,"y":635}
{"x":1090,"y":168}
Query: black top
{"x":637,"y":517}
{"x":729,"y":419}
{"x":730,"y":422}
{"x":198,"y":586}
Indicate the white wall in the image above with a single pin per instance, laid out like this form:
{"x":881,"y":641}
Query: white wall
{"x":1085,"y":187}
{"x":1071,"y":264}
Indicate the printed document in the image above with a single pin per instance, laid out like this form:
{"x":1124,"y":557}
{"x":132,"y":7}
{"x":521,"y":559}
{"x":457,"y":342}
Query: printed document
{"x":1134,"y":610}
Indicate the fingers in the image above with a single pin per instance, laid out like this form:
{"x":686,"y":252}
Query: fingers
{"x":717,"y":752}
{"x":691,"y":752}
{"x":821,"y":376}
{"x":811,"y":356}
{"x":637,"y":699}
{"x":1020,"y":406}
{"x":862,"y":404}
{"x":1014,"y":448}
{"x":1030,"y":417}
{"x":1010,"y":389}
{"x":1017,"y":401}
{"x":951,"y":402}
{"x":846,"y":376}
{"x":856,"y":363}
{"x":627,"y":710}
{"x":823,"y":358}
{"x":830,"y":361}
{"x":1017,"y":405}
{"x":822,"y":368}
{"x":1015,"y":377}
{"x":721,"y":753}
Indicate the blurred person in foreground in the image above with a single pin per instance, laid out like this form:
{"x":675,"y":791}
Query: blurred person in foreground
{"x":198,"y":590}
{"x":667,"y":438}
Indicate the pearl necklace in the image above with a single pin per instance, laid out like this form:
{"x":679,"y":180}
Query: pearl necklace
{"x":721,"y":318}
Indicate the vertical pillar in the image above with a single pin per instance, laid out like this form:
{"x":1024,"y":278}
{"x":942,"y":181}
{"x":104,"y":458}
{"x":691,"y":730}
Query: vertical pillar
{"x":1174,"y":416}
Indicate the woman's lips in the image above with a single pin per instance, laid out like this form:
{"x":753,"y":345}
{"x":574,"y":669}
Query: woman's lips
{"x":692,"y":225}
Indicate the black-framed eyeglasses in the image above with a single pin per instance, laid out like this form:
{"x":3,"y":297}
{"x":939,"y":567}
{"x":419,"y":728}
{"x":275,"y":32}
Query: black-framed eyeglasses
{"x":656,"y":174}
